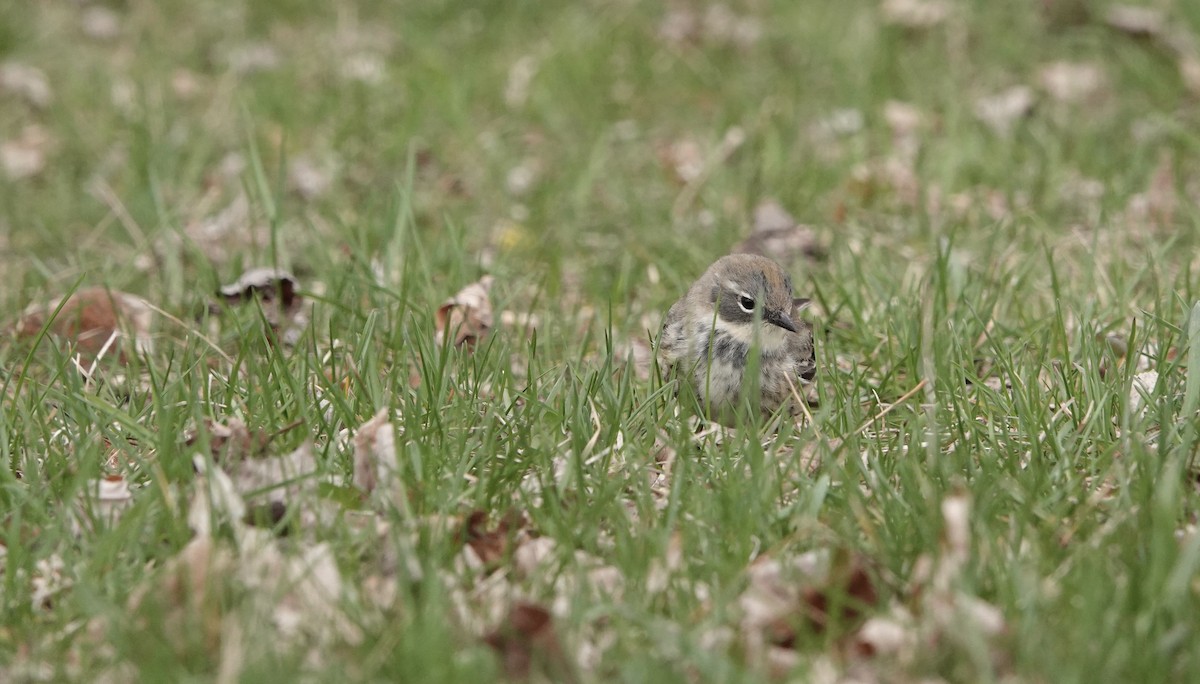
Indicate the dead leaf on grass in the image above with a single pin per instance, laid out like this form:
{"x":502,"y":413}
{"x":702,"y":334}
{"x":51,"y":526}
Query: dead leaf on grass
{"x":268,"y":284}
{"x":229,"y":441}
{"x":25,"y":156}
{"x":1139,"y":22}
{"x":309,"y":178}
{"x":100,"y":23}
{"x":777,"y":235}
{"x":49,"y":579}
{"x":375,"y":452}
{"x":252,"y":58}
{"x":184,"y":601}
{"x":684,"y":158}
{"x":804,"y":594}
{"x":520,"y":78}
{"x":720,"y":25}
{"x":93,"y":321}
{"x":527,"y":643}
{"x":1073,"y":82}
{"x":915,"y":14}
{"x":488,"y":545}
{"x":465,"y":318}
{"x":26,"y":82}
{"x":277,"y":290}
{"x":1157,"y":205}
{"x":1001,"y":111}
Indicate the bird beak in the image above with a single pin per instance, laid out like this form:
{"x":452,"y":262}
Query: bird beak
{"x":782,"y":320}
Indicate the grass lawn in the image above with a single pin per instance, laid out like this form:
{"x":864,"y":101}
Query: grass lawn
{"x":992,"y":205}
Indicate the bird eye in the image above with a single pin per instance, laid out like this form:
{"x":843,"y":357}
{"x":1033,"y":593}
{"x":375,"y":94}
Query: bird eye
{"x":747,"y":303}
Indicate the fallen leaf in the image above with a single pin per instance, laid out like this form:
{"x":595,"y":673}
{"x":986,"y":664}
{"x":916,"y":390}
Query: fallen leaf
{"x":490,"y":544}
{"x":285,"y":478}
{"x":27,"y":82}
{"x":777,"y":235}
{"x":267,"y":284}
{"x":679,"y":25}
{"x":184,"y":601}
{"x":520,"y":77}
{"x":365,"y":67}
{"x":723,"y":26}
{"x":684,"y":158}
{"x":374,"y":452}
{"x":1001,"y":111}
{"x":277,"y":290}
{"x":465,"y":318}
{"x":229,"y":441}
{"x":49,"y":579}
{"x":526,"y":643}
{"x":849,"y":589}
{"x":93,"y":321}
{"x":252,"y":58}
{"x":1139,"y":22}
{"x":100,"y":23}
{"x":887,"y":636}
{"x":1072,"y":82}
{"x":915,"y":14}
{"x":25,"y":156}
{"x":308,"y":178}
{"x":1141,"y":392}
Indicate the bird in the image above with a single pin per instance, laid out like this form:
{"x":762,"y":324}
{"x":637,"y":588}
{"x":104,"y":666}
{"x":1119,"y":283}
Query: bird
{"x":739,"y":316}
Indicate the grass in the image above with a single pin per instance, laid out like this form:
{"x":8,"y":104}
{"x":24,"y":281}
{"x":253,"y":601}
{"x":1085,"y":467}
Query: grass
{"x":983,"y":299}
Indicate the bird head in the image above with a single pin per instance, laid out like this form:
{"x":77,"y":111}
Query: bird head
{"x":744,"y":288}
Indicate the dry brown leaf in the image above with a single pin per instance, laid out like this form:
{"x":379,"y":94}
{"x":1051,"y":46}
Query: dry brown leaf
{"x":682,"y":26}
{"x":892,"y":636}
{"x":1141,"y":392}
{"x":268,"y":284}
{"x":679,"y":25}
{"x":185,"y":598}
{"x":1073,"y":82}
{"x":25,"y":156}
{"x":374,"y":452}
{"x":723,"y":26}
{"x":366,"y":67}
{"x":684,"y":158}
{"x":229,"y":441}
{"x":1140,"y":22}
{"x":49,"y":579}
{"x":915,"y":14}
{"x":113,"y":498}
{"x":1001,"y":111}
{"x":251,"y":58}
{"x":777,"y":235}
{"x":27,"y":82}
{"x":465,"y":318}
{"x":520,"y":78}
{"x":849,"y":591}
{"x":770,"y":604}
{"x":100,"y":23}
{"x":490,"y":544}
{"x":308,"y":178}
{"x":527,"y":643}
{"x":278,"y":478}
{"x":93,"y":321}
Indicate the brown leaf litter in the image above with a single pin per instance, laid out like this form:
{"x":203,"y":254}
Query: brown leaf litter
{"x":277,"y":290}
{"x":466,"y":318}
{"x":375,"y":460}
{"x":527,"y":642}
{"x":776,"y":234}
{"x":93,"y":322}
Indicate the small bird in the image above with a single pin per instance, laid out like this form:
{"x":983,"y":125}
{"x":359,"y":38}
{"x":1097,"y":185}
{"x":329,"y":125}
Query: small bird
{"x":739,"y":314}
